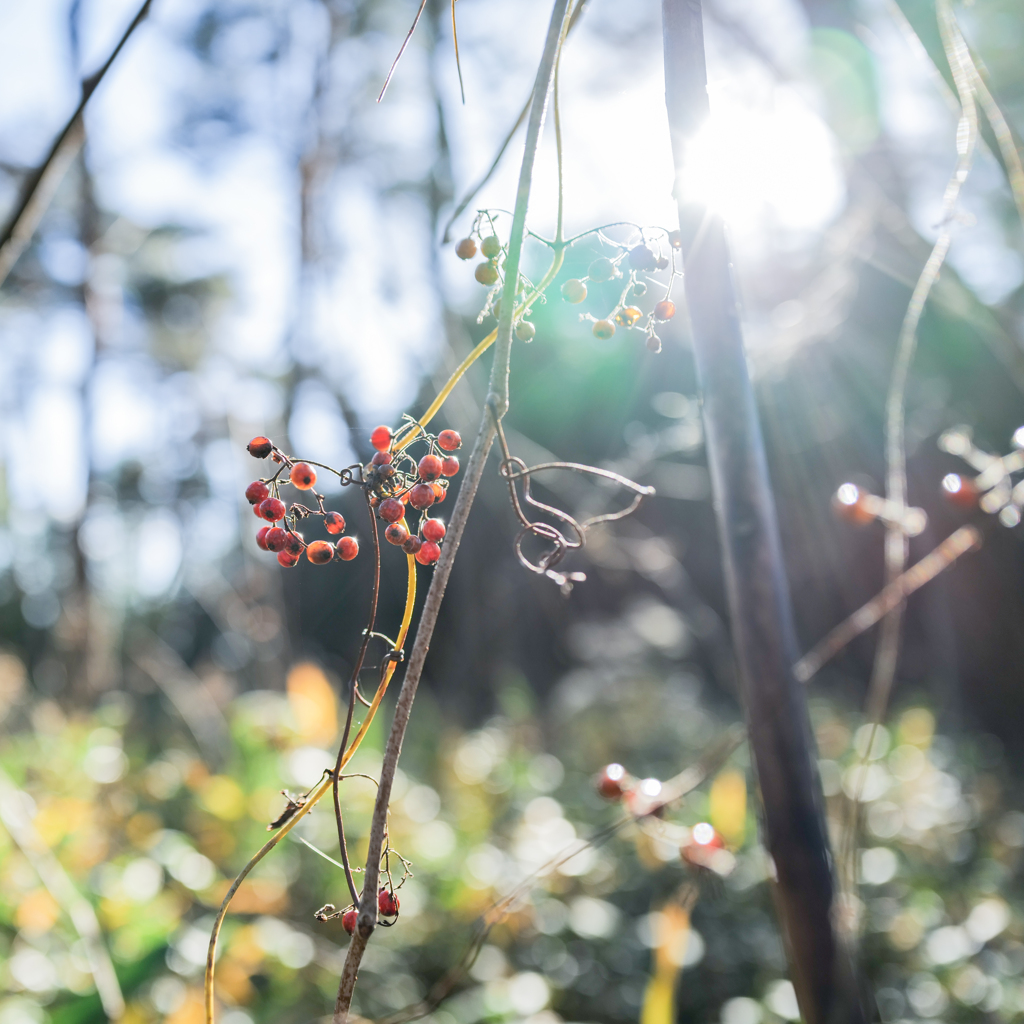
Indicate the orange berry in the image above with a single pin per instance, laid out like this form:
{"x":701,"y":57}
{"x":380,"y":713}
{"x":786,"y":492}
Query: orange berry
{"x":440,"y":491}
{"x":303,"y":476}
{"x":490,"y":247}
{"x":450,"y":466}
{"x":347,"y":548}
{"x":396,"y":534}
{"x":664,"y":310}
{"x":603,"y":329}
{"x":486,"y":273}
{"x":293,"y":543}
{"x":334,"y":522}
{"x":320,"y":552}
{"x":260,"y":447}
{"x":465,"y":249}
{"x":381,"y":438}
{"x":428,"y":553}
{"x":574,"y":291}
{"x":287,"y":559}
{"x":628,"y":316}
{"x":429,"y":467}
{"x":449,"y":440}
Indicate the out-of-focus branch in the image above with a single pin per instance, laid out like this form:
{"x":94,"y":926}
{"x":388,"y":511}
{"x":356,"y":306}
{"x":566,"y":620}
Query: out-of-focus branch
{"x":62,"y":889}
{"x":41,"y":185}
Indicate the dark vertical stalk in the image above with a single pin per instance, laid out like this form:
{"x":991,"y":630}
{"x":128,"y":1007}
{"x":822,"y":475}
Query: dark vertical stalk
{"x":758,"y":593}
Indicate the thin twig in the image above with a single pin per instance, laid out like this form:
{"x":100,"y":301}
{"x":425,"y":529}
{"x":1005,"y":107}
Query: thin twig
{"x":496,"y":405}
{"x":62,"y":889}
{"x":42,"y":184}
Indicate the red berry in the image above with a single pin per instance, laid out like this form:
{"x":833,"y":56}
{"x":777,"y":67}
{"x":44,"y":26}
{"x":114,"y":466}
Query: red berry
{"x":396,"y":534}
{"x":428,"y":553}
{"x":449,"y":440}
{"x":287,"y":559}
{"x":303,"y":475}
{"x":391,"y":510}
{"x":704,"y":843}
{"x":381,"y":459}
{"x":486,"y":273}
{"x":381,"y":438}
{"x":959,"y":490}
{"x":293,"y":543}
{"x":603,"y":329}
{"x":275,"y":538}
{"x":260,"y":447}
{"x":642,"y":258}
{"x":261,"y":537}
{"x":574,"y":290}
{"x":348,"y":920}
{"x":334,"y":522}
{"x":387,"y":903}
{"x":256,"y":492}
{"x":440,"y":491}
{"x":433,"y":529}
{"x":272,"y":509}
{"x":490,"y":246}
{"x":412,"y":545}
{"x":664,"y":310}
{"x":256,"y":511}
{"x":610,"y":783}
{"x":320,"y":552}
{"x":466,"y":249}
{"x":450,"y":466}
{"x":430,"y":467}
{"x":348,"y":548}
{"x":848,"y":503}
{"x":422,"y":496}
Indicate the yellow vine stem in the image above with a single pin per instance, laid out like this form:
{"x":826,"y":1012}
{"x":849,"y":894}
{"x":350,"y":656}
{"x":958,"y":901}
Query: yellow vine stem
{"x":321,"y":789}
{"x":417,"y":428}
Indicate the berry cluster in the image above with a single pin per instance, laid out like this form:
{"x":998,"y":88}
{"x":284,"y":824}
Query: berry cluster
{"x":395,"y":480}
{"x":993,"y":489}
{"x":387,"y":906}
{"x":633,"y":264}
{"x":284,"y":540}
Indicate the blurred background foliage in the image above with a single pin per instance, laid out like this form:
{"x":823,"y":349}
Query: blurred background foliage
{"x":249,"y":244}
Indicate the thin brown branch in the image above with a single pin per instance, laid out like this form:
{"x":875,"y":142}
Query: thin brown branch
{"x":41,"y":185}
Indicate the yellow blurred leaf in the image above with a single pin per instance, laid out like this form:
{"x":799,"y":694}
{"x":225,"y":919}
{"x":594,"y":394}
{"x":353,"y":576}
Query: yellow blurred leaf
{"x":727,"y":806}
{"x":313,"y":703}
{"x":672,"y":932}
{"x":223,"y":797}
{"x":659,"y":1000}
{"x":37,"y":912}
{"x":60,"y":817}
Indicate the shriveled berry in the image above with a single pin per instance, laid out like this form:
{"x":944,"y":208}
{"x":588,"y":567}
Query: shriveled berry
{"x":486,"y":273}
{"x":465,"y":249}
{"x":525,"y":331}
{"x":440,"y":491}
{"x":449,"y":440}
{"x":428,"y":553}
{"x":602,"y":269}
{"x":260,"y":447}
{"x":664,"y":310}
{"x":574,"y":290}
{"x":642,"y":258}
{"x":256,"y":492}
{"x":320,"y":552}
{"x":272,"y":509}
{"x":261,"y":537}
{"x":450,"y":466}
{"x":412,"y":544}
{"x":603,"y":329}
{"x":293,"y":543}
{"x":611,"y":781}
{"x":429,"y":467}
{"x":662,"y":263}
{"x":348,"y":920}
{"x":422,"y":496}
{"x":374,"y":500}
{"x":303,"y":475}
{"x":639,"y":289}
{"x":381,"y":438}
{"x":387,"y":903}
{"x":391,"y":510}
{"x":628,"y":316}
{"x":675,"y":239}
{"x":433,"y":529}
{"x":396,"y":534}
{"x":490,"y":246}
{"x":653,"y":343}
{"x":347,"y":548}
{"x":287,"y":559}
{"x":275,"y":538}
{"x":334,"y":522}
{"x":381,"y":459}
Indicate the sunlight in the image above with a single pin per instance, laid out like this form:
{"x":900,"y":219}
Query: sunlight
{"x":774,"y":166}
